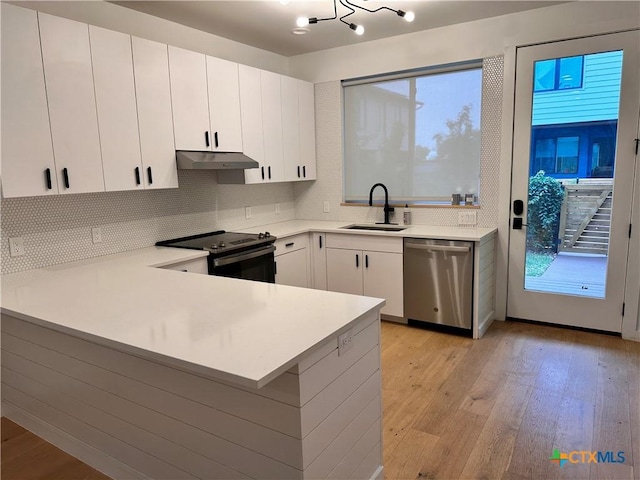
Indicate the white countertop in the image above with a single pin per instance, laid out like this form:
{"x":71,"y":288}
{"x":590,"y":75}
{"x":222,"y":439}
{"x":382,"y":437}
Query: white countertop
{"x":294,"y":227}
{"x":234,"y":330}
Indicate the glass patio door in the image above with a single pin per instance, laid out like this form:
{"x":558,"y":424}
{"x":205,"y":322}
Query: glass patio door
{"x":575,"y":118}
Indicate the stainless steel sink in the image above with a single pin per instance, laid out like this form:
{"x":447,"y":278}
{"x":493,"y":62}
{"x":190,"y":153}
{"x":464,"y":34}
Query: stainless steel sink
{"x":380,"y":227}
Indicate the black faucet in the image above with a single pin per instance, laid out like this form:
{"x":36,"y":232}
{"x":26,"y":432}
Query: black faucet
{"x":387,"y":208}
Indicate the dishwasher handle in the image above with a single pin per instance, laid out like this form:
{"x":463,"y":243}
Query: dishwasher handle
{"x":438,"y":248}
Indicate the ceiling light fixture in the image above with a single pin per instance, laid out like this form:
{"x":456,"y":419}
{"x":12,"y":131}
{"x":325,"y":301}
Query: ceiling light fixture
{"x":349,"y":5}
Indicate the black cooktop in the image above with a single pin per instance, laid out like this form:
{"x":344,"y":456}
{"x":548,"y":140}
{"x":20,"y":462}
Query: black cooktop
{"x":220,"y":242}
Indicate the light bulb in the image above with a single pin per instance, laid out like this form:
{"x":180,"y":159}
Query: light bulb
{"x":302,"y":21}
{"x":359,"y":29}
{"x":409,"y":16}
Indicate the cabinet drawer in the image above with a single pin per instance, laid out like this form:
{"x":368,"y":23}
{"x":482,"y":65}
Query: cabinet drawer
{"x":374,"y":243}
{"x":291,"y":244}
{"x":197,"y":265}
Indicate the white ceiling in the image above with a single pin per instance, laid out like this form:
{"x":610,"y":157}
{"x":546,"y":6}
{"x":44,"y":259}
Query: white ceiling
{"x":268,"y":24}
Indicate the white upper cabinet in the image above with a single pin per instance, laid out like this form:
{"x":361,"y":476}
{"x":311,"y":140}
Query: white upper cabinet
{"x":298,"y":129}
{"x":224,"y":105}
{"x":189,"y":99}
{"x":155,"y":121}
{"x":72,"y":106}
{"x":252,"y":131}
{"x":290,"y":129}
{"x":272,"y":125}
{"x":27,"y":153}
{"x":307,"y":129}
{"x":116,"y":106}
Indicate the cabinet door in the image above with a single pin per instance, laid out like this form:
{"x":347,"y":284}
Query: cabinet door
{"x":188,"y":73}
{"x":155,"y":121}
{"x":27,"y":153}
{"x":292,"y":268}
{"x":383,"y":279}
{"x":319,"y":261}
{"x":72,"y":104}
{"x":251,"y":116}
{"x":116,"y":106}
{"x":344,"y":271}
{"x":272,"y":125}
{"x":224,"y":105}
{"x":290,"y":130}
{"x":307,"y":126}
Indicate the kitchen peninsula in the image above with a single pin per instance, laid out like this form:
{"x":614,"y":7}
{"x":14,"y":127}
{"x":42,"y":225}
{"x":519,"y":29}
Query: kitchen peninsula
{"x":148,"y":372}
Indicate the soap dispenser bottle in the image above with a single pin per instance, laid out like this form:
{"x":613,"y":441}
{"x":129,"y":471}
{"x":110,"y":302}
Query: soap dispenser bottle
{"x":406,"y":214}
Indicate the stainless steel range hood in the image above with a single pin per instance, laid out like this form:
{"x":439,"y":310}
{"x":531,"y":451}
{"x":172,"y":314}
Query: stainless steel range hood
{"x":190,"y":160}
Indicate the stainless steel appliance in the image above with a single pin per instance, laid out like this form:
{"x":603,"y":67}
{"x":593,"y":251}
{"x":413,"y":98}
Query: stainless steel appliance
{"x":238,"y":255}
{"x":438,"y":282}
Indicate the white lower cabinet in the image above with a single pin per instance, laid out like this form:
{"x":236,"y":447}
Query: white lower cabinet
{"x":292,"y":261}
{"x":319,"y":260}
{"x":370,"y":266}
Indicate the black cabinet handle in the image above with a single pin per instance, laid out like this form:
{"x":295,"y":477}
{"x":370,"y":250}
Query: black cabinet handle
{"x":357,"y":261}
{"x":262,"y":168}
{"x":206,"y":138}
{"x":137,"y":175}
{"x":289,"y":244}
{"x":269,"y":169}
{"x":215,"y":139}
{"x":320,"y":238}
{"x":298,"y":171}
{"x":149,"y":175}
{"x":185,"y":271}
{"x":65,"y":175}
{"x":366,"y":261}
{"x":47,"y":178}
{"x":304,"y":171}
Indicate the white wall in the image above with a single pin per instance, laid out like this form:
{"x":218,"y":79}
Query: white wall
{"x":480,"y":39}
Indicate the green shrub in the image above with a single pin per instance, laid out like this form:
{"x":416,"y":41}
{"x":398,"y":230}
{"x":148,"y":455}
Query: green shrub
{"x":543,"y":214}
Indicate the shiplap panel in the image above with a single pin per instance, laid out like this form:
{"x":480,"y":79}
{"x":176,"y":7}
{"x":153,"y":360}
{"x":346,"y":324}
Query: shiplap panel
{"x":316,"y":378}
{"x":354,"y":457}
{"x":322,"y":436}
{"x":274,"y":444}
{"x":255,"y":408}
{"x":170,"y":454}
{"x":321,"y":406}
{"x":313,"y":357}
{"x":348,"y":439}
{"x":153,"y":467}
{"x":221,"y":453}
{"x":370,"y":465}
{"x":70,"y":444}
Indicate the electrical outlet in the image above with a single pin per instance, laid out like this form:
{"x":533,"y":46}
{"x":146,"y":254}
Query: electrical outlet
{"x":96,"y":235}
{"x":16,"y":246}
{"x":247,"y":212}
{"x":326,"y":207}
{"x":277,"y":208}
{"x":467,"y":218}
{"x":345,"y":342}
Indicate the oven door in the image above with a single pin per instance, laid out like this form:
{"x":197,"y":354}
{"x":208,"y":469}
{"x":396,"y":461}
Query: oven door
{"x":257,"y":264}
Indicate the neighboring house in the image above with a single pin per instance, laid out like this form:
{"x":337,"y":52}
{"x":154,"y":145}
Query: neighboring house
{"x":575,"y":115}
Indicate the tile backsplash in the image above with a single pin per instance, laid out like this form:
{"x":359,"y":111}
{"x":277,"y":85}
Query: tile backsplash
{"x":57,"y":229}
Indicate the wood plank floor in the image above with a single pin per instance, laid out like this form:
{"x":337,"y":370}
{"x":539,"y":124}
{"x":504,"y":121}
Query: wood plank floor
{"x":459,"y":408}
{"x":496,"y":408}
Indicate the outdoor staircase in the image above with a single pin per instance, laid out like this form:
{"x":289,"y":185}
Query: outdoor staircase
{"x":585,"y":221}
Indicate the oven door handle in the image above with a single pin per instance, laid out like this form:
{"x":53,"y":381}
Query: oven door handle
{"x":240,"y":257}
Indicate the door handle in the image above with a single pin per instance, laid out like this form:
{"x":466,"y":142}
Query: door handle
{"x":517,"y":223}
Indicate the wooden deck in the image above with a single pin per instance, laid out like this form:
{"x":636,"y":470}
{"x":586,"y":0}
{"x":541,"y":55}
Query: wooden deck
{"x":572,"y":274}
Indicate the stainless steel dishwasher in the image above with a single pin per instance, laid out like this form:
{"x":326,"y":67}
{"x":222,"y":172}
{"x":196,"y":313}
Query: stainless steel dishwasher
{"x":438,"y":282}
